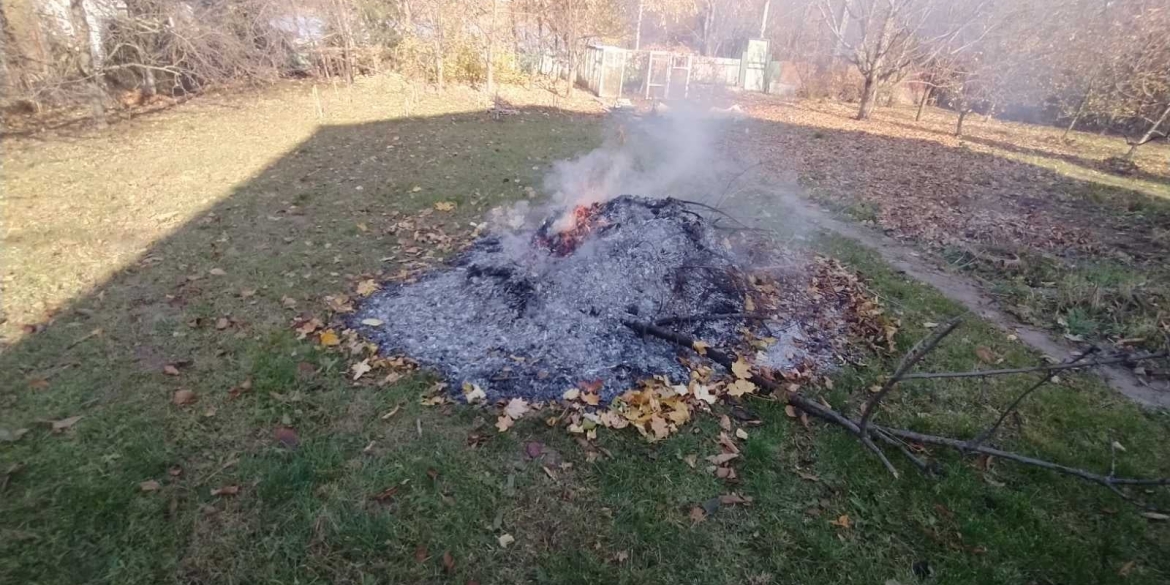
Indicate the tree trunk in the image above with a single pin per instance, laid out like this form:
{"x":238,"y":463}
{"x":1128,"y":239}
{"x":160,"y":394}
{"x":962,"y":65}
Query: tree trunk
{"x":491,"y":45}
{"x":1080,"y":110}
{"x":1149,"y":134}
{"x":638,"y":26}
{"x":963,"y":111}
{"x":87,"y":58}
{"x":922,"y":103}
{"x":709,"y":29}
{"x":868,"y":97}
{"x":764,"y":20}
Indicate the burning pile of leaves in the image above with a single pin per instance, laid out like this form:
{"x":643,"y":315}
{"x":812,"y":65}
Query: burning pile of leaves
{"x":546,"y":320}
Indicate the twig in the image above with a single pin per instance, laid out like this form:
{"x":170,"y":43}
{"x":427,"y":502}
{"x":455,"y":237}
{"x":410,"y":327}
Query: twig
{"x":715,"y":209}
{"x":737,"y":176}
{"x":888,"y":434}
{"x":987,"y":434}
{"x":916,"y":354}
{"x":1047,"y":368}
{"x":714,"y":317}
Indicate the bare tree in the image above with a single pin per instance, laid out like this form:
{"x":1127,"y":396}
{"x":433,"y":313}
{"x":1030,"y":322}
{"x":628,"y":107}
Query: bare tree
{"x":892,"y":36}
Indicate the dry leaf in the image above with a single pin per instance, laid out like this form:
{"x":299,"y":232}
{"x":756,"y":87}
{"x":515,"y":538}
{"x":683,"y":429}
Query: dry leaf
{"x":1156,"y":516}
{"x":590,"y":398}
{"x":360,"y":369}
{"x":472,"y":393}
{"x":571,"y":394}
{"x":372,"y":322}
{"x":697,"y":515}
{"x":741,"y":387}
{"x":691,"y":460}
{"x":149,"y":485}
{"x":659,"y":427}
{"x":216,"y":272}
{"x":741,"y":369}
{"x":985,"y":355}
{"x":516,"y":408}
{"x":505,"y":540}
{"x":448,"y":560}
{"x":183,"y":397}
{"x":420,"y":553}
{"x":65,"y":424}
{"x":725,"y":422}
{"x":722,"y":458}
{"x":329,"y":338}
{"x":222,"y":323}
{"x":790,"y":411}
{"x":170,"y":370}
{"x":741,"y":434}
{"x":367,"y":287}
{"x":287,"y":437}
{"x":842,"y":521}
{"x":700,"y":347}
{"x":504,"y":422}
{"x":445,"y":206}
{"x":227,"y":490}
{"x":1127,"y":568}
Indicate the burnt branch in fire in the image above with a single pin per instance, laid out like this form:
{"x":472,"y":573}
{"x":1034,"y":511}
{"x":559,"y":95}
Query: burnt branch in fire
{"x":894,"y":436}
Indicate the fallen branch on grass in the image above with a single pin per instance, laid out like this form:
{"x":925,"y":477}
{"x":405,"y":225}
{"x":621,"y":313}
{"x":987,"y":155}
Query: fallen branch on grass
{"x":892,"y":436}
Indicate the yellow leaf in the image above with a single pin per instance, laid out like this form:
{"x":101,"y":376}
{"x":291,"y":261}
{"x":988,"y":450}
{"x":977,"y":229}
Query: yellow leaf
{"x":505,"y":540}
{"x":367,"y":287}
{"x":703,"y":393}
{"x":659,"y":427}
{"x":590,"y":398}
{"x":445,"y":206}
{"x":842,"y":521}
{"x":329,"y":338}
{"x":741,"y":369}
{"x":741,"y":387}
{"x":504,"y":423}
{"x":473,"y":393}
{"x":700,"y":346}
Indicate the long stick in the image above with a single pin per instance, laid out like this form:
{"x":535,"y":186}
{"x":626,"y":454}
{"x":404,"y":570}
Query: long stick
{"x":1048,"y":368}
{"x":916,"y":354}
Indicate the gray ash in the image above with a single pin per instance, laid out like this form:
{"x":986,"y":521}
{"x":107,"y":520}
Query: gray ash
{"x":532,"y":314}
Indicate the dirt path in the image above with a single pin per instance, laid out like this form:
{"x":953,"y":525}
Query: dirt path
{"x":965,"y":291}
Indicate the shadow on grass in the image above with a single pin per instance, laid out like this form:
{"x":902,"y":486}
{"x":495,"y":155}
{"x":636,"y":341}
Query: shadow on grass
{"x":215,"y":301}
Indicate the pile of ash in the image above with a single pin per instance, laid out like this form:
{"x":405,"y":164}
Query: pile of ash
{"x":533,"y":313}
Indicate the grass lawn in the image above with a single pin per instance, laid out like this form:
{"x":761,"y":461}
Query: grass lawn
{"x":191,"y":240}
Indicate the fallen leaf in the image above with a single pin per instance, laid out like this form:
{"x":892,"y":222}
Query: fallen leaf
{"x":227,"y":490}
{"x":360,"y":369}
{"x":725,"y":422}
{"x":420,"y":553}
{"x":7,"y":436}
{"x":329,"y":338}
{"x":216,"y":272}
{"x":170,"y":370}
{"x":697,"y":515}
{"x":700,"y":346}
{"x":516,"y":408}
{"x":691,"y":460}
{"x":472,"y":393}
{"x":533,"y":449}
{"x":448,"y":560}
{"x":445,"y":206}
{"x":741,"y":369}
{"x":741,"y":387}
{"x":807,"y":476}
{"x":38,"y":384}
{"x":571,"y":394}
{"x":505,"y":540}
{"x":722,"y":458}
{"x":504,"y":422}
{"x":222,"y":323}
{"x":183,"y":397}
{"x":287,"y":437}
{"x":734,"y":499}
{"x":842,"y":521}
{"x":790,"y":411}
{"x":367,"y":287}
{"x":372,"y":322}
{"x":659,"y":427}
{"x":149,"y":485}
{"x":985,"y":355}
{"x":590,"y":398}
{"x":1127,"y":568}
{"x":741,"y":434}
{"x":385,"y":495}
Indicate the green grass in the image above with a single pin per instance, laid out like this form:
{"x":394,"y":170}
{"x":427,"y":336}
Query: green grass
{"x":72,"y":512}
